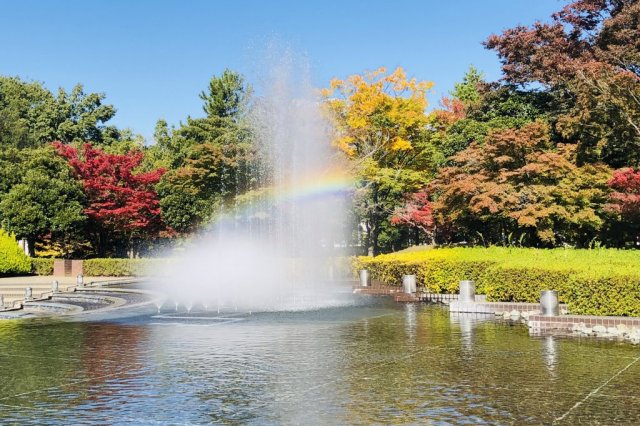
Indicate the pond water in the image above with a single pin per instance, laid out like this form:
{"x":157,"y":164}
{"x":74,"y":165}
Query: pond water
{"x":378,"y":363}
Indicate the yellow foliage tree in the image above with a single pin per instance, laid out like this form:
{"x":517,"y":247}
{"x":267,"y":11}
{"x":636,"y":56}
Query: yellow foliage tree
{"x":378,"y":114}
{"x":381,"y":125}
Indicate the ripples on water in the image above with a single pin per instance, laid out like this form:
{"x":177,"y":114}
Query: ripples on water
{"x":381,"y":363}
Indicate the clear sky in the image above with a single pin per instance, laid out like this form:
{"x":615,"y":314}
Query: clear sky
{"x":152,"y":58}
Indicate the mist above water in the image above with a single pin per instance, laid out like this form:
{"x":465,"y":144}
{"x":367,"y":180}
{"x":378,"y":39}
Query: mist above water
{"x":275,"y":250}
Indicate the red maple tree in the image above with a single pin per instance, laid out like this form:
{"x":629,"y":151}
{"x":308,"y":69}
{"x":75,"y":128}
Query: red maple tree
{"x":625,"y":199}
{"x":120,"y":202}
{"x":417,"y":213}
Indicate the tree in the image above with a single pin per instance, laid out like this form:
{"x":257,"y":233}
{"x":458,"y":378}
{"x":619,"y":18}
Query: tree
{"x":626,"y":196}
{"x":122,"y":205}
{"x":80,"y":118}
{"x":624,"y":204}
{"x":381,"y":126}
{"x":227,"y":96}
{"x":417,"y":213}
{"x":27,"y":113}
{"x":519,"y":184}
{"x":31,"y":116}
{"x":210,"y":156}
{"x":477,"y":107}
{"x":194,"y":193}
{"x":467,"y":90}
{"x":45,"y":202}
{"x":588,"y":57}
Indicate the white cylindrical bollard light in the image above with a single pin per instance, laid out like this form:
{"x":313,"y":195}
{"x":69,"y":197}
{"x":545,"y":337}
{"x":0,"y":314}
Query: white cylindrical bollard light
{"x":55,"y":285}
{"x":80,"y":280}
{"x":364,"y":278}
{"x":467,"y":291}
{"x":28,"y":293}
{"x":409,"y":284}
{"x":549,"y":305}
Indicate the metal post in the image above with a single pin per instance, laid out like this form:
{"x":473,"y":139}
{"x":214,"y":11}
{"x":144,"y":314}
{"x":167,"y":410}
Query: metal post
{"x":409,"y":284}
{"x":467,"y":291}
{"x":549,"y":305}
{"x":364,"y":278}
{"x":55,"y":286}
{"x":28,"y":293}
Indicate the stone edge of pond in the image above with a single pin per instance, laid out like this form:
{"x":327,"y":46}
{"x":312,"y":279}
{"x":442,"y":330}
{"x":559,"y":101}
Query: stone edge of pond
{"x":621,"y":328}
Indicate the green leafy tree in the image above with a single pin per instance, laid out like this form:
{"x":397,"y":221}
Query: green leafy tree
{"x":477,"y":107}
{"x":27,"y":114}
{"x":45,"y":202}
{"x":31,"y":116}
{"x":210,"y":156}
{"x":226,"y":96}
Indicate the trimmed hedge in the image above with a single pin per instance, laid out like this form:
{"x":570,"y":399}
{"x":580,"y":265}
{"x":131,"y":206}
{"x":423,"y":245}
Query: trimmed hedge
{"x":103,"y":267}
{"x":42,"y":266}
{"x":120,"y":267}
{"x":596,"y":293}
{"x":594,"y":282}
{"x":505,"y":283}
{"x":13,"y":261}
{"x":444,"y":276}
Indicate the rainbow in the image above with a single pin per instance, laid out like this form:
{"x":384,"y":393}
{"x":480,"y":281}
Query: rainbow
{"x":316,"y":186}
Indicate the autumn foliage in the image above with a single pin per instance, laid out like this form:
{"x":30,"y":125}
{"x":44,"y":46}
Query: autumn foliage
{"x":417,"y":213}
{"x":120,"y":201}
{"x":365,"y":104}
{"x":625,"y":200}
{"x":381,"y":126}
{"x":588,"y":56}
{"x":518,"y":182}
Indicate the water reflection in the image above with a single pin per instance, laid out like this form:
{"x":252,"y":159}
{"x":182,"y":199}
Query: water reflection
{"x":410,"y":321}
{"x":467,"y":322}
{"x":386,"y":364}
{"x":550,"y":353}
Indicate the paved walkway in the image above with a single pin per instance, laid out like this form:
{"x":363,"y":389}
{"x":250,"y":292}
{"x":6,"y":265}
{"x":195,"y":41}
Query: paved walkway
{"x":12,"y":288}
{"x":41,"y":280}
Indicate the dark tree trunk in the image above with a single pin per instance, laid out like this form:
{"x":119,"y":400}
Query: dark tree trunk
{"x":374,"y":223}
{"x":31,"y":247}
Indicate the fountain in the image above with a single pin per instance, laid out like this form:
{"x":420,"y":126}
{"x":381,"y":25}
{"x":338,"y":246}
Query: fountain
{"x":272,"y":250}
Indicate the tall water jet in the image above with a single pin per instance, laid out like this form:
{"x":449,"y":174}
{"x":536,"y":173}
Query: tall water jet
{"x":274,"y":247}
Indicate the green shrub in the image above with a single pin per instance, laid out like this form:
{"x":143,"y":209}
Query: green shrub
{"x":120,"y":267}
{"x":444,"y":275}
{"x":597,"y":282}
{"x":388,"y":270}
{"x":13,"y":261}
{"x":597,"y":293}
{"x":523,"y":283}
{"x":42,"y":266}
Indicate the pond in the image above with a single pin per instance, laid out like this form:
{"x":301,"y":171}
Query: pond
{"x":373,"y":363}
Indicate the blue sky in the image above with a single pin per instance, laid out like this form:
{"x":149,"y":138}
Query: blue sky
{"x":152,"y":58}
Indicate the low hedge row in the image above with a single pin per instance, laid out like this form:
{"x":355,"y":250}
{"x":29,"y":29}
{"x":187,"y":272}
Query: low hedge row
{"x":103,"y":267}
{"x":593,"y":282}
{"x":120,"y":267}
{"x":596,"y":293}
{"x":42,"y":266}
